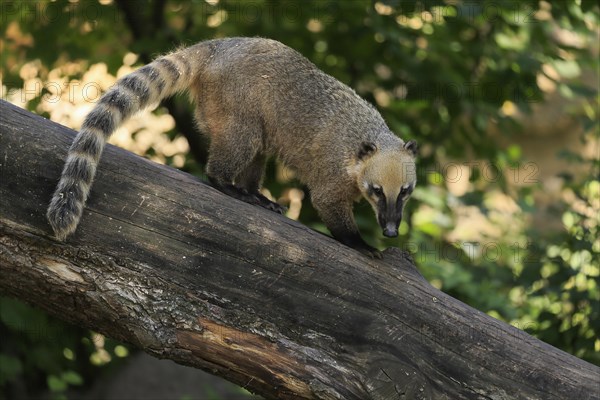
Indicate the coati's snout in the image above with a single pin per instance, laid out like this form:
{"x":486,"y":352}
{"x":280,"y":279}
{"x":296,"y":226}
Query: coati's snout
{"x":389,"y":219}
{"x":390,"y":232}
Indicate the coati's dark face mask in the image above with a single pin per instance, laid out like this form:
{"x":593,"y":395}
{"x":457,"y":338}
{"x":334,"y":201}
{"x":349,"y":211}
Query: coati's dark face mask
{"x":387,"y":180}
{"x":389,"y":208}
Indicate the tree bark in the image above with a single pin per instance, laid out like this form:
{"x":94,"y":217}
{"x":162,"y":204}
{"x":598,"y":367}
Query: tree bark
{"x":168,"y":264}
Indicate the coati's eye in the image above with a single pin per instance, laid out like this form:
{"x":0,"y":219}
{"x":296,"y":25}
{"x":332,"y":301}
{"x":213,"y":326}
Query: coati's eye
{"x":377,"y":190}
{"x":405,"y":191}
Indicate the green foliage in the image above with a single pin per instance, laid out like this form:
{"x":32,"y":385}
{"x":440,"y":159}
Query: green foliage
{"x":41,"y":353}
{"x":458,"y":77}
{"x":10,"y":368}
{"x":561,"y":279}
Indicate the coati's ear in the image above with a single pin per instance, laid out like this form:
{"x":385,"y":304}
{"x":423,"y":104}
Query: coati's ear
{"x":412,"y":147}
{"x":366,"y":149}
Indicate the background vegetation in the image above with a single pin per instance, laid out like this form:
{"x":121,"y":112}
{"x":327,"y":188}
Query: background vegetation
{"x":482,"y":86}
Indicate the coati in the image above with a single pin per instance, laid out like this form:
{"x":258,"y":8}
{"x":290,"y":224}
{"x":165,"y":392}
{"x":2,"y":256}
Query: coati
{"x":257,"y":98}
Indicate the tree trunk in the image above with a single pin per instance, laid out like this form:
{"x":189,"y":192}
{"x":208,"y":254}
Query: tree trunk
{"x":168,"y":264}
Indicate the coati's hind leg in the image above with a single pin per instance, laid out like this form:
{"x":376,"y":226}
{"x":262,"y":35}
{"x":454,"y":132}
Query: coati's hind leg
{"x":222,"y":179}
{"x":251,"y":178}
{"x":229,"y":158}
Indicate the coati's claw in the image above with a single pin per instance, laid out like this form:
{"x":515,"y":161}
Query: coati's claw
{"x":264,"y":202}
{"x":355,"y":241}
{"x":250,"y":197}
{"x":275,"y":207}
{"x":371,"y":252}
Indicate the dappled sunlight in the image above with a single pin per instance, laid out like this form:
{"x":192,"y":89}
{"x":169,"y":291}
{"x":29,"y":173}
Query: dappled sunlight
{"x":294,"y":198}
{"x":69,"y":92}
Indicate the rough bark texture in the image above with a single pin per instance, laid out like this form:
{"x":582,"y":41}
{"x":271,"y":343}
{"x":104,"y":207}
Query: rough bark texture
{"x":169,"y":264}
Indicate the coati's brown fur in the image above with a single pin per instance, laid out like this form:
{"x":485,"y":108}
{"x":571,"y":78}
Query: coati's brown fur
{"x":257,"y":98}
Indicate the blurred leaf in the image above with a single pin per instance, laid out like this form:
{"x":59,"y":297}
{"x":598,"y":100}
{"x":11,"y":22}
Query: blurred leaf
{"x":55,"y":384}
{"x":72,"y":378}
{"x":568,"y":69}
{"x":10,"y":367}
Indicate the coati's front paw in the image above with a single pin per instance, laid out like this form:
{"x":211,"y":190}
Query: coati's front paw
{"x":357,"y":243}
{"x":370,"y":252}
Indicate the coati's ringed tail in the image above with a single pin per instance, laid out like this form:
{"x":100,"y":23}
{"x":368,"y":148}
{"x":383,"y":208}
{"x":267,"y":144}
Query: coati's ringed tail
{"x":146,"y":86}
